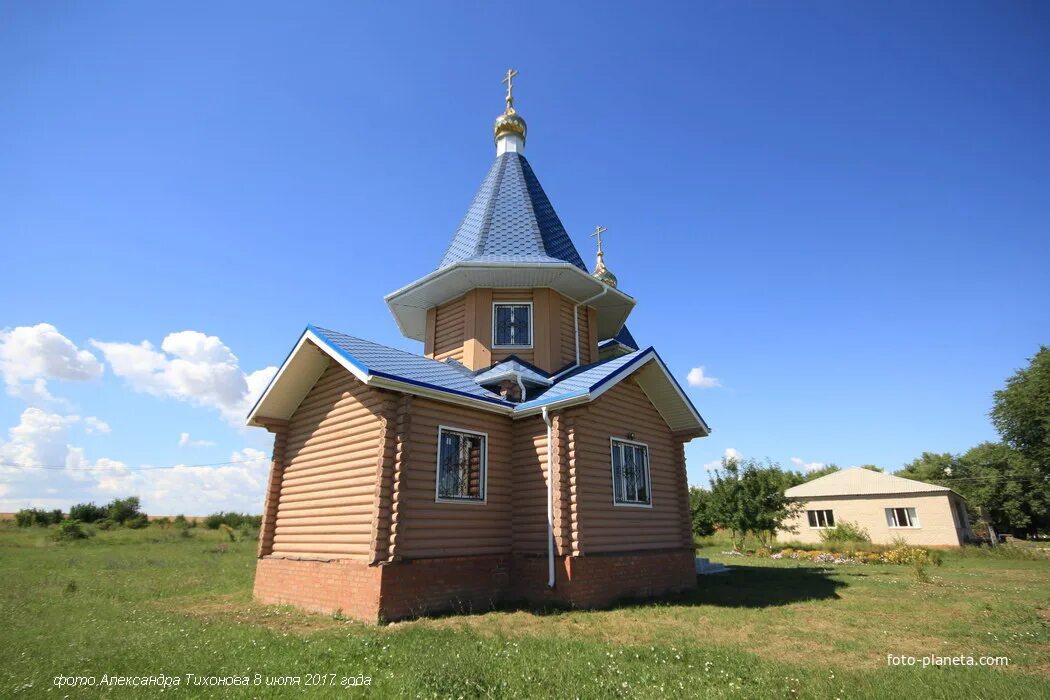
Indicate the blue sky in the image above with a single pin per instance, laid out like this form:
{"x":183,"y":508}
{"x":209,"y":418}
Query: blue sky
{"x":838,"y":210}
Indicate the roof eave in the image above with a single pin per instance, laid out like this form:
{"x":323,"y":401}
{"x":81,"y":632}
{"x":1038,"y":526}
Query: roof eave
{"x":409,"y":304}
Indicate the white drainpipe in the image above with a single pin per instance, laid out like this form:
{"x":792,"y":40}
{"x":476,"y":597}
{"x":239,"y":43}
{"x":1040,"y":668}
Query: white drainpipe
{"x":576,"y":319}
{"x":550,"y":499}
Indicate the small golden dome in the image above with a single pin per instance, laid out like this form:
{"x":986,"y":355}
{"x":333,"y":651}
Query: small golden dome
{"x":602,"y":273}
{"x":510,"y":122}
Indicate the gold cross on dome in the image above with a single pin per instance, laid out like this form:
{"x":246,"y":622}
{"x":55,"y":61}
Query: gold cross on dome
{"x":510,"y":85}
{"x":598,"y":231}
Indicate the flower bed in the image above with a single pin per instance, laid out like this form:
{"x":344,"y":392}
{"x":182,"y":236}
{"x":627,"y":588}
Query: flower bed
{"x":897,"y":555}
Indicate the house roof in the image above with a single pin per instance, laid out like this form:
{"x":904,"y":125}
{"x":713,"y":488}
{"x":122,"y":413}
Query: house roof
{"x":860,"y":482}
{"x":390,"y":368}
{"x":511,"y":220}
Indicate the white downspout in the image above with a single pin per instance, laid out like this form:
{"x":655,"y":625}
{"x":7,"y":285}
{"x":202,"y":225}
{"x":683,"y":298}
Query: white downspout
{"x":576,"y":319}
{"x":550,"y":499}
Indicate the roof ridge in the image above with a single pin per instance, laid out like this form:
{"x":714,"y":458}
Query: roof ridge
{"x":490,"y":206}
{"x":536,"y":231}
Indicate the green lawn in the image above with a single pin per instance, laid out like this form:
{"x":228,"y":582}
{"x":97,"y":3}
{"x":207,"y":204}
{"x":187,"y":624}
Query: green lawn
{"x":151,"y":602}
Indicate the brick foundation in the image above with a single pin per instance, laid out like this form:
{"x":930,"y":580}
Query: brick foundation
{"x":468,"y":584}
{"x":351,"y":587}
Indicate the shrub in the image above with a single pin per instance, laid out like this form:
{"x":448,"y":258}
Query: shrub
{"x":845,"y":532}
{"x":105,"y":524}
{"x":182,"y":522}
{"x":700,"y":507}
{"x":69,"y":530}
{"x":87,"y":512}
{"x":28,"y":517}
{"x":234,"y":520}
{"x":122,"y":509}
{"x":137,"y":522}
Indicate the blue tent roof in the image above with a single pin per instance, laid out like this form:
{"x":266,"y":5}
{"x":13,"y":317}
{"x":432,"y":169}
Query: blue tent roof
{"x":511,"y":220}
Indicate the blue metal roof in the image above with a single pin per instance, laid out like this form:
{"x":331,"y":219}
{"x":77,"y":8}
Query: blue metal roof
{"x":383,"y":361}
{"x":624,"y":338}
{"x":527,"y":372}
{"x":584,"y":380}
{"x":453,"y":378}
{"x":511,"y":220}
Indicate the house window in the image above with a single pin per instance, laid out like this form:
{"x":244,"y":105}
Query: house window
{"x":630,"y":473}
{"x":902,"y":517}
{"x":821,"y":518}
{"x":512,"y":325}
{"x":461,"y":471}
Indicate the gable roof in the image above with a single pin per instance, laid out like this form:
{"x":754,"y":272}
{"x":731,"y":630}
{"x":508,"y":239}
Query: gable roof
{"x":390,"y":368}
{"x":510,"y":368}
{"x":511,"y":219}
{"x":860,"y":482}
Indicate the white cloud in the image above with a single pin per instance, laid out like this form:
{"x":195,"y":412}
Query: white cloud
{"x":200,"y":490}
{"x":96,"y":425}
{"x":39,"y":439}
{"x":42,"y":439}
{"x":186,"y":441}
{"x":730,"y":453}
{"x":696,"y":377}
{"x":807,"y":466}
{"x":30,"y":355}
{"x":190,"y":366}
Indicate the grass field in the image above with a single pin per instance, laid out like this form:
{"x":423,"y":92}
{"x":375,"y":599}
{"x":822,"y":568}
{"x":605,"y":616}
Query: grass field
{"x":148,"y":601}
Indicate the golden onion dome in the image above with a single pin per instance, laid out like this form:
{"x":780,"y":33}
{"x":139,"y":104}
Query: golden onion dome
{"x":510,"y":122}
{"x":602,"y":273}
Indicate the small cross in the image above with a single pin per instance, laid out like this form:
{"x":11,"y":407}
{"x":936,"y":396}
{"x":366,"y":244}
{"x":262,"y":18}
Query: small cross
{"x":510,"y":86}
{"x":598,"y":231}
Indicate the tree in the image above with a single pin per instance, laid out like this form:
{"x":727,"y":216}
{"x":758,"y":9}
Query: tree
{"x":123,"y":509}
{"x":764,"y":491}
{"x":700,"y":507}
{"x":932,"y":468}
{"x":87,"y":512}
{"x":747,"y":497}
{"x":1014,"y":494}
{"x":996,"y":481}
{"x":1022,"y":410}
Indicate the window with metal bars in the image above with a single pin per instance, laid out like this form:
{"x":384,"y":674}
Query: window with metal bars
{"x":630,"y":473}
{"x":461,"y":465}
{"x":512,"y":325}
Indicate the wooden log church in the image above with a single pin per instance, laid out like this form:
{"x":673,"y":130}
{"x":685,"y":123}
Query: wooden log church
{"x":533,"y":451}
